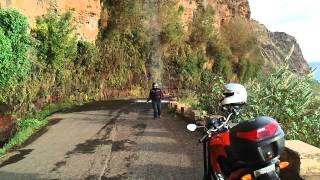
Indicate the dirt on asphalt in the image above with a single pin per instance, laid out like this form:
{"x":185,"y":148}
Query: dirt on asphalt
{"x":108,"y":140}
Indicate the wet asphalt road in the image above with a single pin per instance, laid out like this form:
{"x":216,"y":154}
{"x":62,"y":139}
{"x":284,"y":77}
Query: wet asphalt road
{"x":108,"y":140}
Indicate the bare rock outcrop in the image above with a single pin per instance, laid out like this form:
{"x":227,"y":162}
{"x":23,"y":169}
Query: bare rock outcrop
{"x":224,"y":10}
{"x":276,"y":46}
{"x":86,"y":12}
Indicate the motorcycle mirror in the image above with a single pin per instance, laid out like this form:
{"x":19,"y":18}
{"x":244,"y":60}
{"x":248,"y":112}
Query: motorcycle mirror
{"x":192,"y":127}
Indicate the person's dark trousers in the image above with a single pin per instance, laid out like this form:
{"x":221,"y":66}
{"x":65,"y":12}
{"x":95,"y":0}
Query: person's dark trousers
{"x":156,"y":108}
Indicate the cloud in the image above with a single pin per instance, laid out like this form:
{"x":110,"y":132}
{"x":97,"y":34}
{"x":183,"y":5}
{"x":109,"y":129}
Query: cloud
{"x":295,"y":17}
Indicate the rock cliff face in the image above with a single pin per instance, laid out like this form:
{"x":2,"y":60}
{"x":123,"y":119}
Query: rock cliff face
{"x":275,"y":45}
{"x":87,"y":12}
{"x":224,"y":10}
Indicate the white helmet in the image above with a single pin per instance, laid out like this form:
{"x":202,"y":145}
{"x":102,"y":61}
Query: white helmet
{"x":234,"y":94}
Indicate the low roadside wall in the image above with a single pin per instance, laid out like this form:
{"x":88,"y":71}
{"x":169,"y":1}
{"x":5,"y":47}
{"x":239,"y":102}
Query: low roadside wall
{"x":304,"y":158}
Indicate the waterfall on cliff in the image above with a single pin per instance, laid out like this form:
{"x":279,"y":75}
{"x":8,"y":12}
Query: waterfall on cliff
{"x":153,"y":26}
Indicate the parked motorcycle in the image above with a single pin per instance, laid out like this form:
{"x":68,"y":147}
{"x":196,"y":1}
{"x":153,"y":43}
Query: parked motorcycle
{"x":249,"y":150}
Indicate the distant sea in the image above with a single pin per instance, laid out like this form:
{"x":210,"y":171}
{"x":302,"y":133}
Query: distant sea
{"x":314,"y":65}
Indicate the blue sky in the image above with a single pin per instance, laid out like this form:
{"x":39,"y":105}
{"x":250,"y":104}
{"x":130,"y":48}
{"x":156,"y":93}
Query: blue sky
{"x":298,"y":18}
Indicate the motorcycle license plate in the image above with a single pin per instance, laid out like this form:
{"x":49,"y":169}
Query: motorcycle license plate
{"x":264,"y":170}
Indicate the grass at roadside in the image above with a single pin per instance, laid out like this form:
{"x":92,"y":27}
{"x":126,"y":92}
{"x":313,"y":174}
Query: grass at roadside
{"x":189,"y":98}
{"x":34,"y":121}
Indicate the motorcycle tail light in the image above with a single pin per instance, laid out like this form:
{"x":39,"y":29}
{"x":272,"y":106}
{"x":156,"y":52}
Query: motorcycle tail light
{"x":283,"y":165}
{"x":246,"y":177}
{"x":258,"y":134}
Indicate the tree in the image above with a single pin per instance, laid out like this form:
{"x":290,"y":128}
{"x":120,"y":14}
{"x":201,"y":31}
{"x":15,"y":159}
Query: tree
{"x":56,"y":40}
{"x":14,"y":43}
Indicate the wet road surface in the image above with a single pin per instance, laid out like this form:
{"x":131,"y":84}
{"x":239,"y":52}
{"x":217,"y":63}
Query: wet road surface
{"x":108,"y":140}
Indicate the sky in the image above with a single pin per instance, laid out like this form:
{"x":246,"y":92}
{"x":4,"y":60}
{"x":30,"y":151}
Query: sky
{"x":298,"y":18}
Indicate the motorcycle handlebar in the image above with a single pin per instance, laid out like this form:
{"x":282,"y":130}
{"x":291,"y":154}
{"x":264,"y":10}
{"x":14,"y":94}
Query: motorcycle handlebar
{"x":214,"y":129}
{"x":217,"y":128}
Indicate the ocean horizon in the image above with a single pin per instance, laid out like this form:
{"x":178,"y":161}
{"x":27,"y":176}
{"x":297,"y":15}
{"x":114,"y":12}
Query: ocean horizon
{"x":315,"y":65}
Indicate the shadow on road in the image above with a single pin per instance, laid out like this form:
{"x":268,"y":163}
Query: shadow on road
{"x":21,"y":176}
{"x":111,"y":105}
{"x":17,"y":157}
{"x":164,"y":172}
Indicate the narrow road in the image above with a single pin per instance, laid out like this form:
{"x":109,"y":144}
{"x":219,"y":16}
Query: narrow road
{"x":108,"y":140}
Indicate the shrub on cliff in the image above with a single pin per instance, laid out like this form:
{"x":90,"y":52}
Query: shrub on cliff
{"x":14,"y":43}
{"x":172,"y":31}
{"x":221,"y":54}
{"x":56,"y":40}
{"x":201,"y":27}
{"x":124,"y":44}
{"x":243,"y":43}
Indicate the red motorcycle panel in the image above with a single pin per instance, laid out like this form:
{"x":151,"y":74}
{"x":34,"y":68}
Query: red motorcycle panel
{"x":220,"y":139}
{"x":217,"y":146}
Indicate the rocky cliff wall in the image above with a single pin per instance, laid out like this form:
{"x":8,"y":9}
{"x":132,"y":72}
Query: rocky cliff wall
{"x":224,"y":10}
{"x":276,"y":46}
{"x":87,"y":12}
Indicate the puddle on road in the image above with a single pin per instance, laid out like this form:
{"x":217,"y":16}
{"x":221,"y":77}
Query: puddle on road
{"x":17,"y":157}
{"x":58,"y":165}
{"x":92,"y":177}
{"x":124,"y":145}
{"x":140,"y":128}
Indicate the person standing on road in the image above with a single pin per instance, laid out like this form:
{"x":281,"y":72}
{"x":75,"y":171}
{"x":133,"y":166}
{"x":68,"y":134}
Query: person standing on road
{"x":156,"y":96}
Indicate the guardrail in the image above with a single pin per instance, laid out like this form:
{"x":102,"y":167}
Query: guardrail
{"x":304,"y":158}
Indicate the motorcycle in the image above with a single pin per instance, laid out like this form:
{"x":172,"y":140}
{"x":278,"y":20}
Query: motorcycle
{"x":249,"y":150}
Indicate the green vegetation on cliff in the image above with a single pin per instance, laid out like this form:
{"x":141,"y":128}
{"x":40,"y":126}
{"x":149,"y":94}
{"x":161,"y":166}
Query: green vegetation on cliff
{"x":14,"y":44}
{"x":143,"y":40}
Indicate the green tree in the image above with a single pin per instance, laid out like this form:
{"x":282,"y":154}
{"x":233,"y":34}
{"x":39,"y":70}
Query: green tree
{"x":56,"y":40}
{"x":14,"y":38}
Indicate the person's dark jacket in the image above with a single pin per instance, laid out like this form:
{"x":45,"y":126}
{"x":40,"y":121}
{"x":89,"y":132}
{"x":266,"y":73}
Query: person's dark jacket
{"x":155,"y":95}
